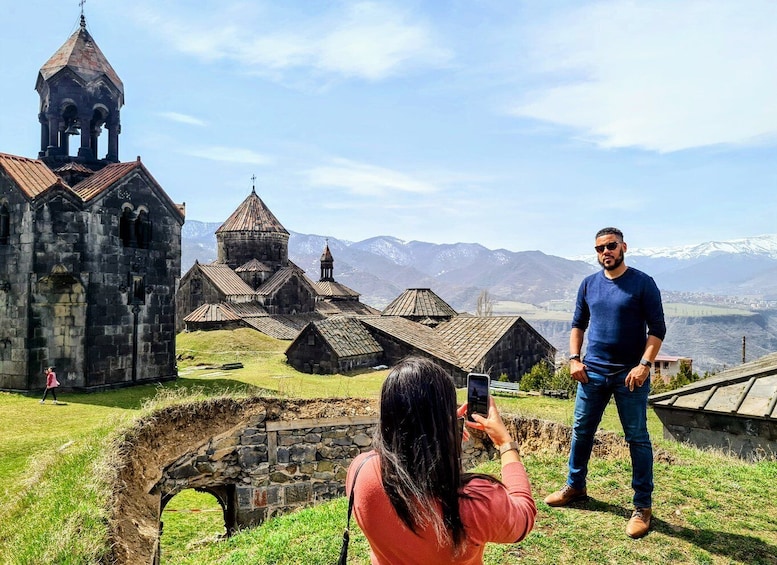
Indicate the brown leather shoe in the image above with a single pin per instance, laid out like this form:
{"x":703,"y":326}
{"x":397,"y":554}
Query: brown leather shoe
{"x":565,"y":496}
{"x":639,"y":524}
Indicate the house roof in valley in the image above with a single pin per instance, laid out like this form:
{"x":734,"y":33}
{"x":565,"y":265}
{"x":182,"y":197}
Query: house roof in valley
{"x":419,"y":302}
{"x":252,"y":215}
{"x":749,"y":390}
{"x":347,"y":337}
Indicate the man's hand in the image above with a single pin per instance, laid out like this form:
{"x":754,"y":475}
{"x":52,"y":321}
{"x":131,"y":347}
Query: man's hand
{"x":637,"y":376}
{"x":577,"y":371}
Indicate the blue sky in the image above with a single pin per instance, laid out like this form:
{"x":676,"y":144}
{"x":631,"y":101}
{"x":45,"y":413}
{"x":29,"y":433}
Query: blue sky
{"x":516,"y":124}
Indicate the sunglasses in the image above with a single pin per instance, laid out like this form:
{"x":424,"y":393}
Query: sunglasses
{"x":608,"y":246}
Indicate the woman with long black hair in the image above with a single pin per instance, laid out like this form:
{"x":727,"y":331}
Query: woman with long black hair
{"x":412,"y":500}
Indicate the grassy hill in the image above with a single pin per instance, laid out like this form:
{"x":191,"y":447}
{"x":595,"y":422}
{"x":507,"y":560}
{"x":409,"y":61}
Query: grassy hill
{"x":55,"y":472}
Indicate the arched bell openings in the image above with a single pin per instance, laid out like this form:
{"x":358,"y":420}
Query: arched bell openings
{"x":135,"y":228}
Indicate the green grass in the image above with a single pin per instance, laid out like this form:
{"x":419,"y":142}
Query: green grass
{"x":55,"y":472}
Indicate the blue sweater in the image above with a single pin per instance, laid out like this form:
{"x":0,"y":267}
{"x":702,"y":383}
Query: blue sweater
{"x":619,"y":314}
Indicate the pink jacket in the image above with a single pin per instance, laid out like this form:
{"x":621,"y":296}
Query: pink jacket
{"x":51,"y":380}
{"x":490,"y":513}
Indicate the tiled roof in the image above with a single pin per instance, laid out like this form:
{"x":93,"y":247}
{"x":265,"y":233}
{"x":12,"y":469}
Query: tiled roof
{"x":32,"y":176}
{"x":81,"y":55}
{"x":749,"y":390}
{"x":472,"y":337}
{"x":419,"y":302}
{"x":347,"y":337}
{"x":103,"y":179}
{"x":248,"y":309}
{"x":73,"y":166}
{"x":345,"y":307}
{"x":227,"y":281}
{"x":253,"y":266}
{"x":280,"y":278}
{"x":331,"y":289}
{"x":252,"y":215}
{"x":212,"y":313}
{"x":281,"y":327}
{"x":413,"y":334}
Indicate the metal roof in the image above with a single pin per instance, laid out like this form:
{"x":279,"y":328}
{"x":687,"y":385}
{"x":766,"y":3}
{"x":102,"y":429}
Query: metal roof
{"x":749,"y":390}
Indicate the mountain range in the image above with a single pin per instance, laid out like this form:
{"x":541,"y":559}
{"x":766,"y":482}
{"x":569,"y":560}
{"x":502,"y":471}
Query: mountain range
{"x":740,"y":275}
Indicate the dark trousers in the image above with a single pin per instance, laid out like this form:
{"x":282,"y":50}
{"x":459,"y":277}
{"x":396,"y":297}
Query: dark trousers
{"x":53,"y":393}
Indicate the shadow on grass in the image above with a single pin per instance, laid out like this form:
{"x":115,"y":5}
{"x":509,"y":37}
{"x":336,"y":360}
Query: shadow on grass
{"x":133,"y":398}
{"x":737,"y":547}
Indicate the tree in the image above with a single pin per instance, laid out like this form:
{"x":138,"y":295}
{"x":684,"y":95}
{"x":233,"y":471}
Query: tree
{"x":485,"y":304}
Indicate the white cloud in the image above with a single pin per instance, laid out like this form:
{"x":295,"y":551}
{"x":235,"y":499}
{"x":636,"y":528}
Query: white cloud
{"x":366,"y":180}
{"x":368,"y":40}
{"x":182,"y":118}
{"x":230,"y":154}
{"x":662,"y":75}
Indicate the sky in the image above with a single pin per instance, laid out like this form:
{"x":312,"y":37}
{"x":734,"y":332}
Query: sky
{"x":519,"y":125}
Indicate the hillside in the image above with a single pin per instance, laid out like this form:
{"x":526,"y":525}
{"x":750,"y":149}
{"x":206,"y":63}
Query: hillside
{"x":730,"y":288}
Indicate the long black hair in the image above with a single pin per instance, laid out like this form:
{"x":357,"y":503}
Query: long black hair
{"x":419,"y":445}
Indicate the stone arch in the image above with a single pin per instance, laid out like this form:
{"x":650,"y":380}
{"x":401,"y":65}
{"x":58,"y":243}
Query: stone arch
{"x":127,"y":225}
{"x":226,"y":498}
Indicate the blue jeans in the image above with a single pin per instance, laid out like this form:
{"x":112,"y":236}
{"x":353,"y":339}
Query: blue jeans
{"x":592,"y":399}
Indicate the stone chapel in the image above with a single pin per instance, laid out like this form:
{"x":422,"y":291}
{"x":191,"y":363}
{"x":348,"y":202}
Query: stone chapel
{"x":90,"y":247}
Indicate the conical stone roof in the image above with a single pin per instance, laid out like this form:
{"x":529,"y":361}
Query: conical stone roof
{"x":82,"y":56}
{"x":252,"y":215}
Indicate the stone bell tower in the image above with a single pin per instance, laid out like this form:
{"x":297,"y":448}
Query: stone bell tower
{"x":80,"y":96}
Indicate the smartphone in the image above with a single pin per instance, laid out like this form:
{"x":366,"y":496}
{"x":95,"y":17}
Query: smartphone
{"x":477,"y":394}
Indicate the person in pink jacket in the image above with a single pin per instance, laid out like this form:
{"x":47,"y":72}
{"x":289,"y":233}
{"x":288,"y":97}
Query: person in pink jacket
{"x":51,"y":385}
{"x":412,"y":500}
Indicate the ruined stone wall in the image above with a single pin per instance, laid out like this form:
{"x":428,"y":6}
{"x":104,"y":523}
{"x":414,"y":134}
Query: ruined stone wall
{"x":15,"y":266}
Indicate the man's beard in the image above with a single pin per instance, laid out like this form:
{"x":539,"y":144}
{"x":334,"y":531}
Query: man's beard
{"x":617,"y":261}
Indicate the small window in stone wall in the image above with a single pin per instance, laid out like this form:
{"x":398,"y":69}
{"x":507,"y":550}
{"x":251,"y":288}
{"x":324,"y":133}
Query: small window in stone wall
{"x":137,"y":289}
{"x":5,"y":224}
{"x":196,"y":286}
{"x":127,"y":227}
{"x":143,"y":229}
{"x":135,"y":228}
{"x":311,"y":340}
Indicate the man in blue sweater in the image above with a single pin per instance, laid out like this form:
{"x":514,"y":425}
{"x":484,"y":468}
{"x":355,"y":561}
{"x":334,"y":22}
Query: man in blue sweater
{"x":621,"y":309}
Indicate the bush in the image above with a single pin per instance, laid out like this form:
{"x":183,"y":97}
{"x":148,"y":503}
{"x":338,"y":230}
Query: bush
{"x":543,"y":377}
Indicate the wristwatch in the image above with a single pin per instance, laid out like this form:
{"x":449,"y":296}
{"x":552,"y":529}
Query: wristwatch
{"x":509,"y":446}
{"x":576,"y":357}
{"x":646,"y":363}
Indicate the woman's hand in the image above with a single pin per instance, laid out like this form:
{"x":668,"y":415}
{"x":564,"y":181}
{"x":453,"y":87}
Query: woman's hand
{"x":492,"y":425}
